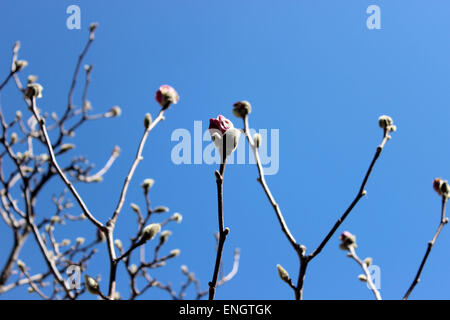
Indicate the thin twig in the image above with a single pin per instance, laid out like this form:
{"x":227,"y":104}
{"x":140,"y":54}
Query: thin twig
{"x":352,"y":254}
{"x":222,"y":231}
{"x":430,"y":245}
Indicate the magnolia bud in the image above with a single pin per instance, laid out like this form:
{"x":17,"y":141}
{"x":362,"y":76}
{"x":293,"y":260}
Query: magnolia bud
{"x":161,"y":209}
{"x":221,"y":128}
{"x":147,"y":120}
{"x":19,"y":65}
{"x":118,"y":244}
{"x":257,"y":139}
{"x":135,"y":208}
{"x":18,"y":114}
{"x":55,"y":219}
{"x":147,"y":184}
{"x":21,"y":265}
{"x":368,"y":261}
{"x":348,"y":241}
{"x":184,"y":269}
{"x":92,"y":29}
{"x":164,"y":236}
{"x":88,"y":67}
{"x":177,"y":217}
{"x":166,"y":95}
{"x":100,"y":236}
{"x":115,"y":111}
{"x":362,"y":278}
{"x":33,"y":90}
{"x":91,"y":284}
{"x":80,"y":241}
{"x":151,"y":231}
{"x":13,"y":138}
{"x":386,"y":123}
{"x":441,"y":187}
{"x":32,"y":78}
{"x":175,"y":253}
{"x":284,"y":275}
{"x":65,"y":242}
{"x":242,"y":109}
{"x":133,"y":268}
{"x":66,"y":147}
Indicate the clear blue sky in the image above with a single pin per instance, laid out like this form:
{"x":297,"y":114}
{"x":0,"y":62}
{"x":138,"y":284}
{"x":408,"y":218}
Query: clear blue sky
{"x":311,"y":69}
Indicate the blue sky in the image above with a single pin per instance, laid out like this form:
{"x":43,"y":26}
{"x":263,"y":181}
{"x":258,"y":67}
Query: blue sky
{"x":310,"y":69}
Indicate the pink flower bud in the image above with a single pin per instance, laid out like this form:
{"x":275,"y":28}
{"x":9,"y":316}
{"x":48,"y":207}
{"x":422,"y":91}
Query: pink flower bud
{"x":166,"y":95}
{"x":220,"y":123}
{"x":441,"y":187}
{"x":223,"y":133}
{"x":348,"y":240}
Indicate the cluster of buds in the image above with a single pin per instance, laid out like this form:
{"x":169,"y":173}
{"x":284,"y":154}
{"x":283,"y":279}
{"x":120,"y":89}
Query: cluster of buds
{"x":166,"y":95}
{"x":348,"y":241}
{"x":386,"y":123}
{"x":441,"y":187}
{"x":241,"y":109}
{"x":224,"y":135}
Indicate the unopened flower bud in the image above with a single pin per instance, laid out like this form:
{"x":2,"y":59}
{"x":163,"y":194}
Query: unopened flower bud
{"x":147,"y":184}
{"x":32,"y":78}
{"x":115,"y":111}
{"x":18,"y":114}
{"x":135,"y":208}
{"x":161,"y":209}
{"x":362,"y":278}
{"x":147,"y":120}
{"x":93,"y":26}
{"x":55,"y":219}
{"x":257,"y":140}
{"x":118,"y":244}
{"x":348,"y":241}
{"x":177,"y":217}
{"x":66,"y":147}
{"x":164,"y":236}
{"x":65,"y":242}
{"x":87,"y":106}
{"x":184,"y":269}
{"x":283,"y":274}
{"x":13,"y":138}
{"x":88,"y":67}
{"x":151,"y":231}
{"x":133,"y":268}
{"x":91,"y":285}
{"x":33,"y":90}
{"x":19,"y":65}
{"x":80,"y":241}
{"x":441,"y":187}
{"x":241,"y":109}
{"x":221,"y":128}
{"x":116,"y":151}
{"x":175,"y":253}
{"x":100,"y":236}
{"x":386,"y":123}
{"x":368,"y":261}
{"x":21,"y":265}
{"x":92,"y":29}
{"x":166,"y":95}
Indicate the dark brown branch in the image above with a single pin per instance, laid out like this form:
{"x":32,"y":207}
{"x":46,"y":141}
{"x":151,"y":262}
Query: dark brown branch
{"x":430,"y":245}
